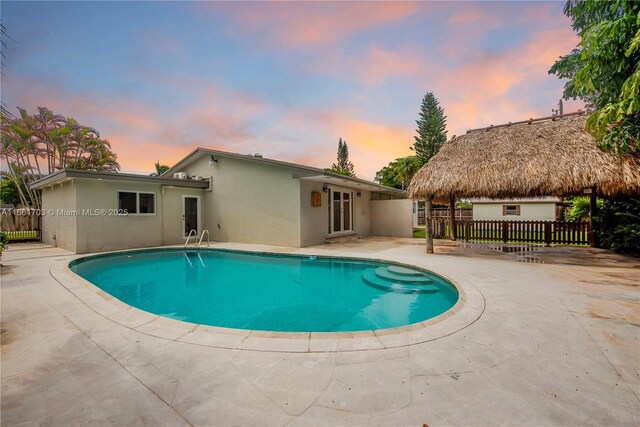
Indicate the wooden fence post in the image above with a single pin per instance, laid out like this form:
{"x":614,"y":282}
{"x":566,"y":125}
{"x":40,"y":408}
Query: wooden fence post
{"x":505,"y":231}
{"x":547,"y":233}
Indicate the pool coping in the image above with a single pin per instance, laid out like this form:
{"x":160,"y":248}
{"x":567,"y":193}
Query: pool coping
{"x":467,"y":310}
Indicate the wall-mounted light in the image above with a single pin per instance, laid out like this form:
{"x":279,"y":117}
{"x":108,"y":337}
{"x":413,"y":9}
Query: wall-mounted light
{"x":212,"y":160}
{"x":325,"y":188}
{"x":359,"y":194}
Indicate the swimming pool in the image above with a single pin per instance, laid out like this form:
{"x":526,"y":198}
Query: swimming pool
{"x":269,"y":292}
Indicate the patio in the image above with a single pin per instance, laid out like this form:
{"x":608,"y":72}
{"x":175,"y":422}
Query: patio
{"x":550,"y":336}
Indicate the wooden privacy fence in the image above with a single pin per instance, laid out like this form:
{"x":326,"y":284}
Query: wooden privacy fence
{"x":546,"y":232}
{"x":461,"y":213}
{"x":440,"y":228}
{"x":444,"y":213}
{"x":21,"y":224}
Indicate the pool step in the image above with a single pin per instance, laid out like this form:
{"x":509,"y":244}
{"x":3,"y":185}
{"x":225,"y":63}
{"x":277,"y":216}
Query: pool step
{"x":385,"y":273}
{"x":405,"y":271}
{"x":371,"y":278}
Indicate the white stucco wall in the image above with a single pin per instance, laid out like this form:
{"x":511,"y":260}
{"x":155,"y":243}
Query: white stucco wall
{"x":251,"y":202}
{"x":172,"y":225}
{"x":83,"y":233}
{"x":314,"y":220}
{"x":112,"y":232}
{"x":392,"y":218}
{"x":528,"y":211}
{"x":362,"y":213}
{"x":59,"y":229}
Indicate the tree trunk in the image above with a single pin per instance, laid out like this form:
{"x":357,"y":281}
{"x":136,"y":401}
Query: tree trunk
{"x":592,"y":212}
{"x":452,"y":216}
{"x":428,"y":222}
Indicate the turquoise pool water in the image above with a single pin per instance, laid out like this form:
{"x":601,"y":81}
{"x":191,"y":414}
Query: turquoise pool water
{"x":269,"y":292}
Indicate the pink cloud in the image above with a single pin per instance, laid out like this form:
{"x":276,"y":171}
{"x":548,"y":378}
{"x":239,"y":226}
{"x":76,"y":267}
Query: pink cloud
{"x":141,"y":132}
{"x":306,"y":24}
{"x":371,"y":144}
{"x":474,"y":14}
{"x":477,"y":94}
{"x":373,"y":66}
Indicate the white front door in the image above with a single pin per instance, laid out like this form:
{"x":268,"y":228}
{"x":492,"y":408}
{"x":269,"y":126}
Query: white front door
{"x":340,"y":211}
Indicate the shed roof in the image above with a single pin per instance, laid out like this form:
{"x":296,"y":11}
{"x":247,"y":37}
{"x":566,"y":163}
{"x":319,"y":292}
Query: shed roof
{"x":553,"y":156}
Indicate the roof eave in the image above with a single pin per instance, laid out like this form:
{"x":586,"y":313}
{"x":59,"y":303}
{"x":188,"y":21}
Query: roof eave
{"x":273,"y":162}
{"x":66,"y":174}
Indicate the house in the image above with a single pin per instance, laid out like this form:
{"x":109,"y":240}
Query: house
{"x":522,"y":209}
{"x":237,"y":198}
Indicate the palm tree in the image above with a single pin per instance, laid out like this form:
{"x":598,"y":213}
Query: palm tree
{"x":47,"y":127}
{"x":61,"y":142}
{"x":18,"y":150}
{"x":160,"y":169}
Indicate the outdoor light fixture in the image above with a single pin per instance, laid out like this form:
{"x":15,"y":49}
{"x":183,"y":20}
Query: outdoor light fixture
{"x":325,"y":188}
{"x":212,"y":160}
{"x":359,"y":193}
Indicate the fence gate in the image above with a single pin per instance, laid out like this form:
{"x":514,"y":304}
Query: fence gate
{"x":21,"y":224}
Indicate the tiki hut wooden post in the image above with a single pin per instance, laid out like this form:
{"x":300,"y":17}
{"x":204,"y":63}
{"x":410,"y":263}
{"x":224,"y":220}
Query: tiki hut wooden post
{"x":452,"y":216}
{"x":428,"y":224}
{"x":593,"y":207}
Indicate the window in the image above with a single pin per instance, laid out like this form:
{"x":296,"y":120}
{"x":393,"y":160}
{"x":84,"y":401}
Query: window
{"x":147,"y":203}
{"x":136,"y":202}
{"x":511,"y":210}
{"x":127,"y":202}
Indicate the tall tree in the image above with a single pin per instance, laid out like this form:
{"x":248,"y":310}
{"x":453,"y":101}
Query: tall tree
{"x":431,"y":129}
{"x":35,"y":145}
{"x":399,"y":173}
{"x":604,"y":70}
{"x":344,"y":165}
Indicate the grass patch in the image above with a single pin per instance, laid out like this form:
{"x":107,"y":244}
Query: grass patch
{"x":21,"y":235}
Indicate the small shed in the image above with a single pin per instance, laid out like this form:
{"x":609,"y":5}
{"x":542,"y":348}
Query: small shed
{"x":520,"y":209}
{"x":551,"y":156}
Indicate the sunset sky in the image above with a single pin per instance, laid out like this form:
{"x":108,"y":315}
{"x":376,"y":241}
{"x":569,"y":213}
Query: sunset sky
{"x":284,"y":79}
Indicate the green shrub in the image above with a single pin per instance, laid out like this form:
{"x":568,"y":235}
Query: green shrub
{"x":618,"y":225}
{"x":463,"y":204}
{"x":3,"y":240}
{"x":579,"y":211}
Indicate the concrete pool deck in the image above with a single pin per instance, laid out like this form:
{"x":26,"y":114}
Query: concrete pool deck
{"x":554,"y":344}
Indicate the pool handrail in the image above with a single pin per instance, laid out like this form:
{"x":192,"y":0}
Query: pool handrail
{"x":195,"y":235}
{"x":202,"y":237}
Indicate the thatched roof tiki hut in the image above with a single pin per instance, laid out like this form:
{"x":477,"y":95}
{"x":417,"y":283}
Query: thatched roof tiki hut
{"x":552,"y":156}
